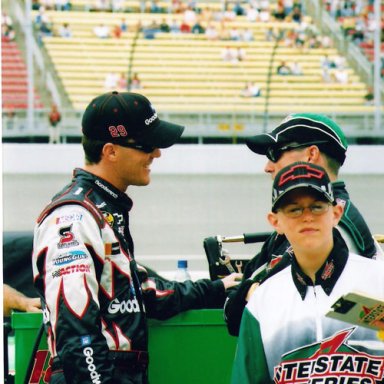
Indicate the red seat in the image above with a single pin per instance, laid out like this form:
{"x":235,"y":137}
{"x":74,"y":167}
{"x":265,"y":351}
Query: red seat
{"x":15,"y":79}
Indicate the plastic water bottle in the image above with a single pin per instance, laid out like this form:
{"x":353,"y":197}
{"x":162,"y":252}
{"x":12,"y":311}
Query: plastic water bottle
{"x":182,"y":273}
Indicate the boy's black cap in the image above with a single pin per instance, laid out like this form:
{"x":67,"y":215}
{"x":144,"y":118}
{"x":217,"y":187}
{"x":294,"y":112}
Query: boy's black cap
{"x":303,"y":128}
{"x":119,"y":117}
{"x":301,"y":175}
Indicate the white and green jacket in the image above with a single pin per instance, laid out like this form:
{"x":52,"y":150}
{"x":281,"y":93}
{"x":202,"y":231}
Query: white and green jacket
{"x":285,"y":336}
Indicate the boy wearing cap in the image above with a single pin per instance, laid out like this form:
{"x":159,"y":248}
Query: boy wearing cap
{"x":300,"y":137}
{"x":95,"y":298}
{"x":285,"y":336}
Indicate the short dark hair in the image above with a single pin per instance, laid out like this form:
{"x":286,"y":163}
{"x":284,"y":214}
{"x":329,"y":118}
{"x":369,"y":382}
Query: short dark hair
{"x":333,"y":164}
{"x":92,"y":150}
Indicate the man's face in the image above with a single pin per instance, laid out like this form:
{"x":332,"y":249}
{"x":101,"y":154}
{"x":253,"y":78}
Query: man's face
{"x":133,"y":166}
{"x":287,"y":157}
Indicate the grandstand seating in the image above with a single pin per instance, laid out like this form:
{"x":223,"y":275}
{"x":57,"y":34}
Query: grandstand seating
{"x":14,"y":79}
{"x":185,"y":72}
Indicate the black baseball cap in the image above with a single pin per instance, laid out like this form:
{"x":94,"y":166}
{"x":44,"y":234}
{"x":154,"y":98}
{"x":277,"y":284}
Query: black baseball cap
{"x":121,"y":117}
{"x":302,"y":128}
{"x":301,"y":175}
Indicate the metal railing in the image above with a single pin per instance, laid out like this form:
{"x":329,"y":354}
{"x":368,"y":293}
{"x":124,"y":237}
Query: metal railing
{"x":198,"y":125}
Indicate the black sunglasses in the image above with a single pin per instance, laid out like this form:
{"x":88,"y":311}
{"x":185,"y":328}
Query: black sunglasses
{"x":139,"y":147}
{"x":274,"y":153}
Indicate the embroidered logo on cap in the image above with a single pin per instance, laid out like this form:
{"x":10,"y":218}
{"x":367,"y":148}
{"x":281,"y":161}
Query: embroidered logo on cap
{"x":291,"y":175}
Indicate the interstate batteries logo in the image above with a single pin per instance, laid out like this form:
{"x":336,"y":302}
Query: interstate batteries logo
{"x":330,"y":362}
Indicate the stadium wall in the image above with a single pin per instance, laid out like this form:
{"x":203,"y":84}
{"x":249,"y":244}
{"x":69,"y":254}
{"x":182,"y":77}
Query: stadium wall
{"x":180,"y":159}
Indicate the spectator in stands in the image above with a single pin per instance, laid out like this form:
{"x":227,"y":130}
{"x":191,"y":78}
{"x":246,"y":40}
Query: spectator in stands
{"x":190,"y":16}
{"x":197,"y":28}
{"x":15,"y":300}
{"x":288,"y":6}
{"x":211,"y":32}
{"x":326,"y":62}
{"x":229,"y":14}
{"x":6,"y":19}
{"x":110,"y":81}
{"x":207,"y":15}
{"x":151,"y":30}
{"x":233,"y":55}
{"x":251,"y":90}
{"x":54,"y":118}
{"x":9,"y":119}
{"x":117,"y":5}
{"x":177,"y":7}
{"x":164,"y":27}
{"x":154,"y":7}
{"x":185,"y":27}
{"x":252,"y":14}
{"x":341,"y":76}
{"x":297,"y":15}
{"x":134,"y":82}
{"x":41,"y":16}
{"x":234,"y":34}
{"x":116,"y":31}
{"x":102,"y":5}
{"x":228,"y":54}
{"x":247,"y":35}
{"x":240,"y":54}
{"x":369,"y":97}
{"x":44,"y":29}
{"x":174,"y":27}
{"x":65,"y":31}
{"x":283,"y":69}
{"x":36,"y":5}
{"x":296,"y":69}
{"x":122,"y":83}
{"x":124,"y":25}
{"x":63,"y":5}
{"x":279,"y":13}
{"x":101,"y":31}
{"x":339,"y":62}
{"x":7,"y":33}
{"x":264,"y":15}
{"x":238,"y":9}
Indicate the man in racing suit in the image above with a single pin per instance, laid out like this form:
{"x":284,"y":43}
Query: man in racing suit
{"x":96,"y":299}
{"x":300,"y":137}
{"x":285,"y":335}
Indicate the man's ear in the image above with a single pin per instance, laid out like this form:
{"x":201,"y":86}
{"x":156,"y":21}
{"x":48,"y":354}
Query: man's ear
{"x":274,"y":221}
{"x":109,"y":152}
{"x":313,"y":153}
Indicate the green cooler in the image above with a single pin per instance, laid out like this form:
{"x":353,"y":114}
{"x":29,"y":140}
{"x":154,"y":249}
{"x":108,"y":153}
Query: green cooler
{"x":193,"y":347}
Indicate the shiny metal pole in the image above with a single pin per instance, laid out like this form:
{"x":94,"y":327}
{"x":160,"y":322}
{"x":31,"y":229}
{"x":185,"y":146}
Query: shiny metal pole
{"x":28,"y":44}
{"x":377,"y":67}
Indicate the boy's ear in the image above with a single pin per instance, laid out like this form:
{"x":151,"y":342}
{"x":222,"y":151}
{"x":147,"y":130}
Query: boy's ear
{"x":274,"y":221}
{"x":338,"y":211}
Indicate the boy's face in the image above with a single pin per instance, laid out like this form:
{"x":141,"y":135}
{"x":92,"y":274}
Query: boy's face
{"x":309,"y":229}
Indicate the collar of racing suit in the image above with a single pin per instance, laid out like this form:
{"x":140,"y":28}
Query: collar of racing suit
{"x":329,"y":272}
{"x":104,"y":188}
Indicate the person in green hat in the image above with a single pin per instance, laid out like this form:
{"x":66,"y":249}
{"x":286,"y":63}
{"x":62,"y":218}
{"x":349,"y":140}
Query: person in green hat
{"x":319,"y":140}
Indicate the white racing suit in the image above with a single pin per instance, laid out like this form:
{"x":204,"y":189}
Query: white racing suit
{"x":96,"y":298}
{"x":285,"y":336}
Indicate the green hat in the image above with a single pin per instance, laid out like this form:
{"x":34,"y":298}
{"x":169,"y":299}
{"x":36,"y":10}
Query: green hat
{"x":302,"y":128}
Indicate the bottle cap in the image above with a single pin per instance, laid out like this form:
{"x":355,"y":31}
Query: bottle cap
{"x":182,"y":264}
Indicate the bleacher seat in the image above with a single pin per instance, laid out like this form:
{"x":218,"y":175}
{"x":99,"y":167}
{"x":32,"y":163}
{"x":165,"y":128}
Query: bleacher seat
{"x":186,"y":70}
{"x":14,"y":79}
